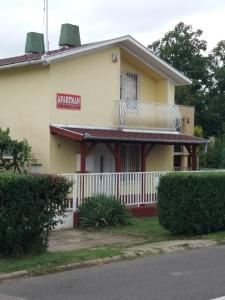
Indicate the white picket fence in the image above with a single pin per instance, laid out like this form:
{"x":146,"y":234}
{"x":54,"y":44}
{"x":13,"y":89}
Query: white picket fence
{"x":133,"y":189}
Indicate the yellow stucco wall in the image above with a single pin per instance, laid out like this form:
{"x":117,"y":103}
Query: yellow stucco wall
{"x":63,"y":154}
{"x":151,"y":86}
{"x":96,"y":79}
{"x":187,"y":114}
{"x":160,"y":158}
{"x":24,"y":109}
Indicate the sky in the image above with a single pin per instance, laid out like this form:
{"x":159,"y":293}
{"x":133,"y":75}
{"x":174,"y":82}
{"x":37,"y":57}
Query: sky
{"x":145,"y":20}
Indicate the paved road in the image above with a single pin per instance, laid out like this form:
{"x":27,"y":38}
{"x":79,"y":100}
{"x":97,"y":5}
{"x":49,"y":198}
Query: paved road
{"x":196,"y":274}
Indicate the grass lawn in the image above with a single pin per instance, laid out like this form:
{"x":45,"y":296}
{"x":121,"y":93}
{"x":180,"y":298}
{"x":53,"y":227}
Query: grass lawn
{"x":46,"y":262}
{"x":150,"y":229}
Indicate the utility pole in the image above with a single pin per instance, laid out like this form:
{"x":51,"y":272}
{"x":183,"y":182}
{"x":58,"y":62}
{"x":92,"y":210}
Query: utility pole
{"x":46,"y":26}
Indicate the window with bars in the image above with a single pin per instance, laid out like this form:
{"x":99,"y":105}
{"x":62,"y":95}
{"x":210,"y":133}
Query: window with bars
{"x":130,"y":158}
{"x":129,"y":89}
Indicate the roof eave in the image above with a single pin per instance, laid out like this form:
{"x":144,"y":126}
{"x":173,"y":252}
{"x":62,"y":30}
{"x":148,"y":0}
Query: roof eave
{"x":22,"y":64}
{"x":128,"y":42}
{"x":159,"y":141}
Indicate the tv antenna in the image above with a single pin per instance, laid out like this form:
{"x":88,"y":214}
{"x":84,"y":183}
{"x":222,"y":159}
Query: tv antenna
{"x":46,"y":25}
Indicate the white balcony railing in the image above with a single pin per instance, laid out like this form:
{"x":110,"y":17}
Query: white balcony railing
{"x":147,"y":115}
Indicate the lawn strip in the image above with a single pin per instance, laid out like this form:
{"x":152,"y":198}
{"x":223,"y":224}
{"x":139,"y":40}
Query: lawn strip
{"x":46,"y":262}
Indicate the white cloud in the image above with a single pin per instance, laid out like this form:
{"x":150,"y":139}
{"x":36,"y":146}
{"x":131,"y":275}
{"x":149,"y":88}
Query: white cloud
{"x":146,"y":20}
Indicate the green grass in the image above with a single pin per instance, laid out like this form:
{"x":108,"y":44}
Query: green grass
{"x":151,"y":231}
{"x":46,"y":262}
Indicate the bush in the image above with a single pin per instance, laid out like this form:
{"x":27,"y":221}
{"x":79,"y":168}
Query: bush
{"x":28,"y":207}
{"x":192,"y":203}
{"x":103,"y":210}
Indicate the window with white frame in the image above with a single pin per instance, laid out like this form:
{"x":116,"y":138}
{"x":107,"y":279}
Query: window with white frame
{"x":130,"y":158}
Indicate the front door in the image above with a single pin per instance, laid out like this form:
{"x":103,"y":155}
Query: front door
{"x":104,"y":160}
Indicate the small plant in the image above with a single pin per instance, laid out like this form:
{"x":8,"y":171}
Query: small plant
{"x":102,"y":210}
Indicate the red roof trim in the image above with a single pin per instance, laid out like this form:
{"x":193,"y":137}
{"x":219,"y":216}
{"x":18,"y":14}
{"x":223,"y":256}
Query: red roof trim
{"x":114,"y":135}
{"x":66,"y":133}
{"x":32,"y":56}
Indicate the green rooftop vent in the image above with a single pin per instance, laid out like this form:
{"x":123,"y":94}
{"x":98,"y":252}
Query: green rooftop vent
{"x":34,"y":43}
{"x":70,"y":35}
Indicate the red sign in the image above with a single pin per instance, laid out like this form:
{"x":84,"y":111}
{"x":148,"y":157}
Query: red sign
{"x":68,"y":101}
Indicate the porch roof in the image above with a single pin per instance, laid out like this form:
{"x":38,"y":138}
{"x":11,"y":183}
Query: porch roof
{"x":128,"y":136}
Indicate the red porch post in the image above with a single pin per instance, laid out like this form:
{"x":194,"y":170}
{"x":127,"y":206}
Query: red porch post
{"x":117,"y":158}
{"x":82,"y":158}
{"x":143,"y":158}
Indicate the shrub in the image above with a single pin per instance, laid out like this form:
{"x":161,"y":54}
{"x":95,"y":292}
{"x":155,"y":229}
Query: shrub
{"x":28,"y":207}
{"x":103,"y":210}
{"x":192,"y":203}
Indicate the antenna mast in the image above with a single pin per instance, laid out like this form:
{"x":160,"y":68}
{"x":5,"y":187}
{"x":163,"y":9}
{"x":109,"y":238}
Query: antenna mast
{"x":46,"y":26}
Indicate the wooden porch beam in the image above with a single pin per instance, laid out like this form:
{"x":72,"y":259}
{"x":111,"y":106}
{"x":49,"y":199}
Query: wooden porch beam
{"x":117,"y":158}
{"x":113,"y":151}
{"x":82,"y":158}
{"x":144,"y":154}
{"x":88,"y":151}
{"x":149,"y":149}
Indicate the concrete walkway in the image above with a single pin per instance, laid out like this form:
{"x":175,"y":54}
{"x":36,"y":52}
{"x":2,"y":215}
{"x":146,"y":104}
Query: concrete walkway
{"x":65,"y":240}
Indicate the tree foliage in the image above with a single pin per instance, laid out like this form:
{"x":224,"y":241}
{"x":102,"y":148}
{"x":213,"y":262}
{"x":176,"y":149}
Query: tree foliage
{"x":14,"y":155}
{"x":185,"y":49}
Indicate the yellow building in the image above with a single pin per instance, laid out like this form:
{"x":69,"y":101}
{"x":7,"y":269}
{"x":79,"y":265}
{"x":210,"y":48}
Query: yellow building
{"x":100,"y":107}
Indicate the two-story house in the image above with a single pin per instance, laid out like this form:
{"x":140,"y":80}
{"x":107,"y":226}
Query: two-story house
{"x":106,"y":106}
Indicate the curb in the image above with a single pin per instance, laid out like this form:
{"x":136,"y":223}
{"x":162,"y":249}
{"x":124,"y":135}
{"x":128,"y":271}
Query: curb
{"x":128,"y":254}
{"x":13,"y":275}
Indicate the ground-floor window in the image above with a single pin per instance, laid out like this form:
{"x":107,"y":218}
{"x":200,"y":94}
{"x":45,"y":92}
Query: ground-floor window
{"x":130,"y":158}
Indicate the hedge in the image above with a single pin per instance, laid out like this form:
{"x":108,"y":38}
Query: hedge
{"x":28,"y":207}
{"x":192,"y":203}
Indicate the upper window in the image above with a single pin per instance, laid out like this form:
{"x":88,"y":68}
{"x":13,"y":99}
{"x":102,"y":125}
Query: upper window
{"x":129,"y":86}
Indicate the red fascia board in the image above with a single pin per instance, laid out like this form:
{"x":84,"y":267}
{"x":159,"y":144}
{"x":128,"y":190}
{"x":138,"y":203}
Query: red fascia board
{"x":67,"y":133}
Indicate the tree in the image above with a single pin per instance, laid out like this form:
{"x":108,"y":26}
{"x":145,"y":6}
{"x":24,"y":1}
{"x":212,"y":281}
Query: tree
{"x":215,"y":155}
{"x":14,"y":155}
{"x":184,"y":49}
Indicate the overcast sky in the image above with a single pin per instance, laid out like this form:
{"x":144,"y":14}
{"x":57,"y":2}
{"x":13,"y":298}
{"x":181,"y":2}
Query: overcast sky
{"x":145,"y":20}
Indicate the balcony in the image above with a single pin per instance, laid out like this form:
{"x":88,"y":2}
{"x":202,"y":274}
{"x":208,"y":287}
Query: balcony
{"x":147,"y":115}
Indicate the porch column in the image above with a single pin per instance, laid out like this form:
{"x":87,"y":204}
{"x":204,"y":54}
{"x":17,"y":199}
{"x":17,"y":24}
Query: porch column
{"x":194,"y":158}
{"x":143,"y":158}
{"x":82,"y":158}
{"x":117,"y":158}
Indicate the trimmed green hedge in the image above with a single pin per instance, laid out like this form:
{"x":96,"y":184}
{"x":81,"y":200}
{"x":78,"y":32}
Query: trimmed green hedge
{"x":28,"y":207}
{"x":192,"y":203}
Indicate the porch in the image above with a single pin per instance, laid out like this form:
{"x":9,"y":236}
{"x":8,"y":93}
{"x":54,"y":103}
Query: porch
{"x":108,"y":150}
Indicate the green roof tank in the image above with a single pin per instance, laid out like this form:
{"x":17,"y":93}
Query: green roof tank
{"x":70,"y":35}
{"x":34,"y":43}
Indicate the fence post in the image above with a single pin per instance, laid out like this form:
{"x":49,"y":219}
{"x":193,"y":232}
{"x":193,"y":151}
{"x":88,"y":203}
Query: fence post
{"x":74,"y":192}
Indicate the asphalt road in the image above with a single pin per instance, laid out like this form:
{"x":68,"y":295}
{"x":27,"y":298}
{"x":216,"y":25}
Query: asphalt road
{"x":194,"y":274}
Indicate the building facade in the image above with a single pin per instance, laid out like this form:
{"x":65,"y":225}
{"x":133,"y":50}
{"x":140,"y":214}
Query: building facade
{"x":100,"y":107}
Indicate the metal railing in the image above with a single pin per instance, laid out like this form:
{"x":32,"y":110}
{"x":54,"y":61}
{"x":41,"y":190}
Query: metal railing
{"x":147,"y":115}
